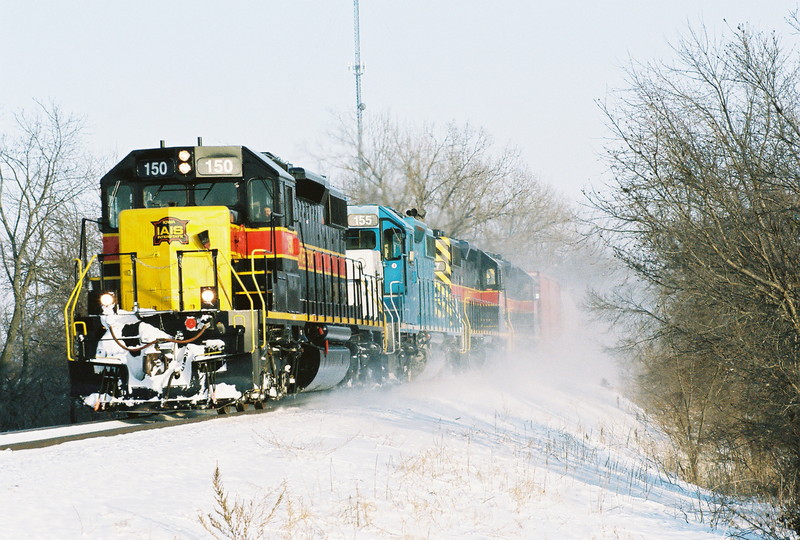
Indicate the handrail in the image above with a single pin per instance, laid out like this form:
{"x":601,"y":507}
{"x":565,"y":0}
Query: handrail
{"x":180,"y":253}
{"x":466,"y":336}
{"x":399,"y":313}
{"x":247,"y":293}
{"x":365,"y":288}
{"x":72,"y":302}
{"x":511,"y":332}
{"x":386,"y":330}
{"x":328,"y":273}
{"x":258,"y":289}
{"x":377,"y":300}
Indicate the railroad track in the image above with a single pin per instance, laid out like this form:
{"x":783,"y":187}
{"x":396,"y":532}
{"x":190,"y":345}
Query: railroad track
{"x":51,"y":436}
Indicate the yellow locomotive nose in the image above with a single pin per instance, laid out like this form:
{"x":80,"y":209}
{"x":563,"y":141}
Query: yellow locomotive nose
{"x":167,"y":257}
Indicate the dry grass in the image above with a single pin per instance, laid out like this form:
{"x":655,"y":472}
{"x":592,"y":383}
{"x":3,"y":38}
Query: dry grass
{"x":237,"y":519}
{"x":459,"y":483}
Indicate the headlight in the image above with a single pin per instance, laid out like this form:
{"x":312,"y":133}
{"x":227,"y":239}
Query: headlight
{"x":184,"y":167}
{"x":108,"y":299}
{"x":208,"y":297}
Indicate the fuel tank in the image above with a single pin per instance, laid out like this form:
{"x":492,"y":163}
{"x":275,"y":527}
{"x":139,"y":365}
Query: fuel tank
{"x":321,"y":368}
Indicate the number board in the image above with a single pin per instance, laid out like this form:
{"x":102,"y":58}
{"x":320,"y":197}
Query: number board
{"x":218,"y":161}
{"x":155,"y":168}
{"x":362,"y":220}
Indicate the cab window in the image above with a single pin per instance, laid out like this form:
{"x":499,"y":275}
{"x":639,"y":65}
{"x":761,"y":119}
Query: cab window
{"x":162,"y":195}
{"x":360,"y":239}
{"x":261,"y":199}
{"x":216,"y":194}
{"x":392,"y":244}
{"x":430,"y":246}
{"x":120,"y":197}
{"x":288,"y":205}
{"x":455,"y":255}
{"x":490,"y":276}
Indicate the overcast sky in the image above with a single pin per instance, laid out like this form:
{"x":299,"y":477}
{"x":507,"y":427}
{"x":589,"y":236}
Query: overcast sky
{"x":272,"y":74}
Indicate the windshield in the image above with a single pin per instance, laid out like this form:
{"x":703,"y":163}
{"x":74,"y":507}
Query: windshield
{"x":360,"y":239}
{"x":216,"y":194}
{"x":165,"y":195}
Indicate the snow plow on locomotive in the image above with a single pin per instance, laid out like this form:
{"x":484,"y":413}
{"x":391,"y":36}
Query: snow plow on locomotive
{"x":229,"y":276}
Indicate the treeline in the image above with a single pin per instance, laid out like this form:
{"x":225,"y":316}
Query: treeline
{"x":462,"y":182}
{"x":45,"y":178}
{"x":704,"y":211}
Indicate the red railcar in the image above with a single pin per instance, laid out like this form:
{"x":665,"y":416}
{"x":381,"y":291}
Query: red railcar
{"x":548,"y":312}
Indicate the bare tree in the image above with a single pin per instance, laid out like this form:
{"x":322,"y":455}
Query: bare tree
{"x":705,"y":211}
{"x":43,"y":171}
{"x":458,"y":181}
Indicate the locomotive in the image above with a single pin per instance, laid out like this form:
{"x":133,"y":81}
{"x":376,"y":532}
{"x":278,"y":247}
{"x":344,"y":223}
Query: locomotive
{"x":229,"y":276}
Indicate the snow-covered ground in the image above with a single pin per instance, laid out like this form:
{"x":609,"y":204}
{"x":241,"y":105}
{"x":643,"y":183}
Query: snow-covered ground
{"x":541,"y":446}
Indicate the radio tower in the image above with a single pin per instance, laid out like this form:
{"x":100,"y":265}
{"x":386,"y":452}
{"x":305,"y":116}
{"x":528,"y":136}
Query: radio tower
{"x":358,"y":70}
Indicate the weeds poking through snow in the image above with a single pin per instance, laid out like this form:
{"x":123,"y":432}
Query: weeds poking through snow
{"x":237,"y":519}
{"x":510,"y":466}
{"x":358,"y":511}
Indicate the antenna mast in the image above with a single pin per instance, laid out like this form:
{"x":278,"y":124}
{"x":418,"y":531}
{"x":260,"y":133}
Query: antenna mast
{"x":358,"y":70}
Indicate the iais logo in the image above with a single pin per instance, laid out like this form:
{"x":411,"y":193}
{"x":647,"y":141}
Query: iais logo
{"x":170,"y":229}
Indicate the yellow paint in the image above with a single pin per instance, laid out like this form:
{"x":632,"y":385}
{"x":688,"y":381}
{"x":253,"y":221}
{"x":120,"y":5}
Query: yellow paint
{"x":156,"y":235}
{"x":443,"y":259}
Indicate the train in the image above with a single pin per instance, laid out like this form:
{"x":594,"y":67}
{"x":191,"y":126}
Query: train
{"x":228,"y":276}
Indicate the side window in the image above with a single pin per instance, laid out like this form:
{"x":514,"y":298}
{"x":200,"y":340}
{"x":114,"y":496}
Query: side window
{"x":260,"y":199}
{"x":392,"y":244}
{"x":491,"y":278}
{"x":430,"y":246}
{"x":288,"y":200}
{"x":120,"y":198}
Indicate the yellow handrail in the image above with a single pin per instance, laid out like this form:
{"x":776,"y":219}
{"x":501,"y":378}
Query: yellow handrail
{"x":510,"y":325}
{"x":249,"y":297}
{"x":466,"y":337}
{"x":72,"y":302}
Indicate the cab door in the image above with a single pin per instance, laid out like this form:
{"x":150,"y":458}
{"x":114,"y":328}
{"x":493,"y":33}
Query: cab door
{"x":288,"y":292}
